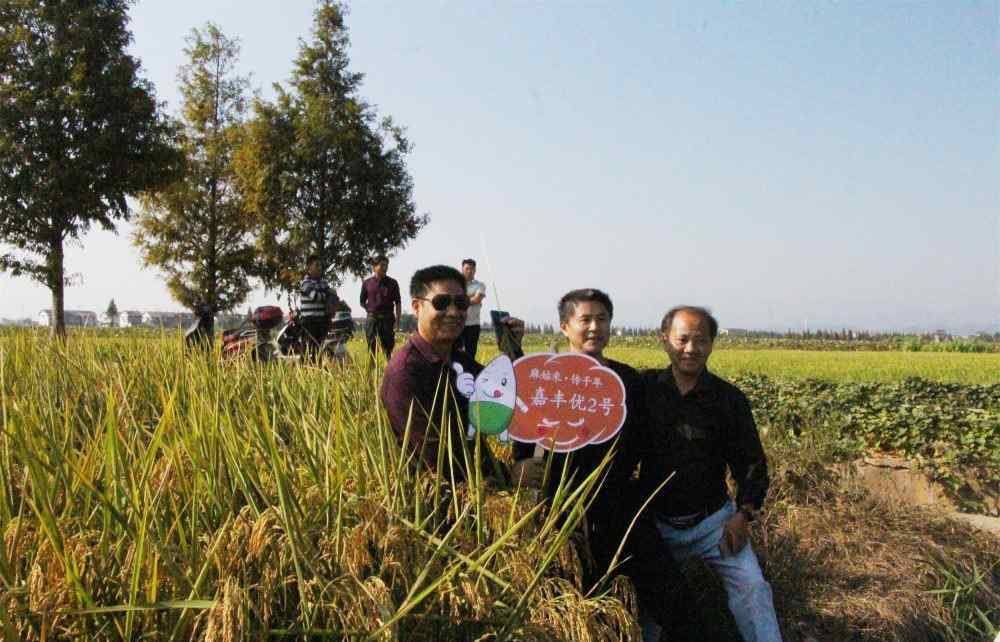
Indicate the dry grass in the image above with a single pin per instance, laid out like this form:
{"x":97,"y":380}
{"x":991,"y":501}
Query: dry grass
{"x":846,"y":565}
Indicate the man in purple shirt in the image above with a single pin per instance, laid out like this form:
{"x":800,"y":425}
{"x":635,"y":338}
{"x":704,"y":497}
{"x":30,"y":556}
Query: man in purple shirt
{"x":381,"y":300}
{"x":420,"y":389}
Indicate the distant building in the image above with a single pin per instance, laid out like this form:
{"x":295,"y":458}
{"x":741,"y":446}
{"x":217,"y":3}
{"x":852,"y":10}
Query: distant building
{"x":940,"y":335}
{"x":167,"y":319}
{"x":129,"y":318}
{"x":733,"y":332}
{"x":72,"y":318}
{"x":20,"y":323}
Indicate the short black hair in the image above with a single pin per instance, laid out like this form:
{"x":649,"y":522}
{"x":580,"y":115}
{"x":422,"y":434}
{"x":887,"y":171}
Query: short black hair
{"x":471,"y":262}
{"x":379,"y":258}
{"x":568,"y":302}
{"x":668,"y":318}
{"x":422,"y":278}
{"x":312,"y":257}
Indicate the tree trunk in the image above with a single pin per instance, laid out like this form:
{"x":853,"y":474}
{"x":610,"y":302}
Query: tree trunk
{"x":56,"y":286}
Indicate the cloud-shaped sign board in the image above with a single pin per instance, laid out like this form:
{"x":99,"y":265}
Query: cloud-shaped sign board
{"x":566,"y":401}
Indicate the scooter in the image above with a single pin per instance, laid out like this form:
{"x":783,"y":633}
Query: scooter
{"x":253,"y":336}
{"x":256,"y":336}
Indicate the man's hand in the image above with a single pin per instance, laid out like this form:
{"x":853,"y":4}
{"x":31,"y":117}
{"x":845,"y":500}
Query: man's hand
{"x":516,"y":328}
{"x":735,"y":535}
{"x":528,"y":472}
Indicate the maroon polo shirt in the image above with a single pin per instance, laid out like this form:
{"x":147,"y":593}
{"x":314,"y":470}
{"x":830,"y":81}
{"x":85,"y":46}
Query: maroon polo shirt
{"x":417,"y":377}
{"x":379,"y":296}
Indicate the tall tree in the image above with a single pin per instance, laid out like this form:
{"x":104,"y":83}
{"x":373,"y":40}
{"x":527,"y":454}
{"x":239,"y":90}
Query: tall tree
{"x":320,"y":172}
{"x":80,"y":131}
{"x":195,"y":230}
{"x":112,"y":313}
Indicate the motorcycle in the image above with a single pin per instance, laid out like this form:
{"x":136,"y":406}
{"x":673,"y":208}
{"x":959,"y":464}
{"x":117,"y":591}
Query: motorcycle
{"x":256,"y":336}
{"x":253,"y":336}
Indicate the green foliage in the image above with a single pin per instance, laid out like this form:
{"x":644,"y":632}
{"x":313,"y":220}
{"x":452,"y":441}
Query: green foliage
{"x":79,"y":131}
{"x":952,"y":430}
{"x":319,"y":172}
{"x":195,"y":230}
{"x":962,"y":588}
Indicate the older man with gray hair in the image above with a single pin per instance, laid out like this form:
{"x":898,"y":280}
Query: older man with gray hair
{"x":703,"y":426}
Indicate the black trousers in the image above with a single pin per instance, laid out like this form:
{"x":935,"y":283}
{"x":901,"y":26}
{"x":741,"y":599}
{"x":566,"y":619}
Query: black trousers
{"x":660,"y":585}
{"x":380,"y":330}
{"x":315,"y":331}
{"x":469,"y":340}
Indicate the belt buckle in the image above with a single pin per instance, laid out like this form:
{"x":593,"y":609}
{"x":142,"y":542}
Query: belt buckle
{"x":684,"y":522}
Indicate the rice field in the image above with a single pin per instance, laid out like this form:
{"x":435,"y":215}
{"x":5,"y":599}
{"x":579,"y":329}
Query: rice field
{"x":830,"y":365}
{"x":147,"y":493}
{"x":840,"y":366}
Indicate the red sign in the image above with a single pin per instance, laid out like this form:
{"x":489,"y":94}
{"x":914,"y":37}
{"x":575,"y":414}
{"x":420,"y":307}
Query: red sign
{"x":566,"y":401}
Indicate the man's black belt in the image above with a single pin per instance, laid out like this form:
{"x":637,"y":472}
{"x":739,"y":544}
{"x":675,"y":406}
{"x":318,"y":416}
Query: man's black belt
{"x":380,"y":315}
{"x":684,"y":522}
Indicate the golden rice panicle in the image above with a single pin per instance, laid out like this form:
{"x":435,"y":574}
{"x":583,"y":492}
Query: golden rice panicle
{"x":234,"y":557}
{"x":227,"y":620}
{"x":357,"y":556}
{"x":564,"y":611}
{"x":267,"y":537}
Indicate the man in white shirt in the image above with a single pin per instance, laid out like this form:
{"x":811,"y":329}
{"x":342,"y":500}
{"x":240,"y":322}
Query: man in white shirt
{"x":476,"y":291}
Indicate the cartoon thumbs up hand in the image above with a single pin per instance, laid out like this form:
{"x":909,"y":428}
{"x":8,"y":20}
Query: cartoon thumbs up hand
{"x":465,"y":382}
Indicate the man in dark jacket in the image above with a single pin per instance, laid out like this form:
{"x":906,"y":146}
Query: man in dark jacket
{"x":698,"y":426}
{"x":426,"y":383}
{"x":585,"y":320}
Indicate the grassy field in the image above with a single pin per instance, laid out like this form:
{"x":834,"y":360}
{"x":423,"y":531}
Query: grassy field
{"x":146,"y":493}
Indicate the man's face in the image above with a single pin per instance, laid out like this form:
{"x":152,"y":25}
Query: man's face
{"x":314,"y":268}
{"x":381,"y":268}
{"x":588,"y":328}
{"x":469,"y":271}
{"x":439,"y":326}
{"x":688,"y":343}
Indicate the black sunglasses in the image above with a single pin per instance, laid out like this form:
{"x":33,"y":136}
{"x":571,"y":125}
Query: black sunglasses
{"x":442,"y":301}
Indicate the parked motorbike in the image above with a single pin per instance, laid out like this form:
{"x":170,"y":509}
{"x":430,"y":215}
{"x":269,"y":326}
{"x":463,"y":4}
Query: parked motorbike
{"x":261,"y":337}
{"x":254,"y":336}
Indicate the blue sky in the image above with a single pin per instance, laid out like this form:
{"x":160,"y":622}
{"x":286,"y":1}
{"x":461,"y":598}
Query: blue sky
{"x":782,"y":163}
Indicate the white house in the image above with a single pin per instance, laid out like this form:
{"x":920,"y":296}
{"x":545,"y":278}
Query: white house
{"x":129,"y":318}
{"x":734,"y":332}
{"x":72,"y":318}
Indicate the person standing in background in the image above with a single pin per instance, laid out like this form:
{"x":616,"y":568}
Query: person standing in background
{"x":476,"y":291}
{"x":316,"y":298}
{"x":382,"y":302}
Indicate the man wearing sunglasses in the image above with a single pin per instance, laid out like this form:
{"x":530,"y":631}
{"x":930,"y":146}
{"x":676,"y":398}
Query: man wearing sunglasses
{"x":420,"y":389}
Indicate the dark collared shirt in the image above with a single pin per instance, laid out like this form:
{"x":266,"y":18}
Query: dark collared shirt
{"x":418,"y":378}
{"x":610,"y":502}
{"x":379,"y":296}
{"x":698,"y":435}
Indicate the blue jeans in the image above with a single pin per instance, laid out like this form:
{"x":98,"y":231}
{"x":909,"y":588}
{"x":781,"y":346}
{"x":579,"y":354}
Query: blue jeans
{"x":749,"y":594}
